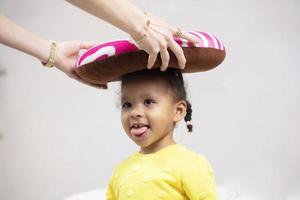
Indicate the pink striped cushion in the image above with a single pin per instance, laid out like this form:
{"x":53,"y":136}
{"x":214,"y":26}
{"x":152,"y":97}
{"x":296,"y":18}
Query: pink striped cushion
{"x":116,"y":47}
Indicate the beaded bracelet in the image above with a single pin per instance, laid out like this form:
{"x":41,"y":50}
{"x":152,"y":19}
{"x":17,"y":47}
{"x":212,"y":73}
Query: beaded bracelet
{"x":51,"y":59}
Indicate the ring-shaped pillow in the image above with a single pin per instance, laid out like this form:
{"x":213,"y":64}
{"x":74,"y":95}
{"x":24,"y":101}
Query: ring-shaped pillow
{"x":111,"y":60}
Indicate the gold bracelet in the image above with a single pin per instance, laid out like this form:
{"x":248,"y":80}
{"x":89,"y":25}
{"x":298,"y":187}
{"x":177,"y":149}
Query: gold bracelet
{"x":140,"y":41}
{"x":51,"y":59}
{"x":148,"y":20}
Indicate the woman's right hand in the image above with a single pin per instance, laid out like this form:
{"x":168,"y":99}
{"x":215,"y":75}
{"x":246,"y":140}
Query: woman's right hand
{"x":157,"y":37}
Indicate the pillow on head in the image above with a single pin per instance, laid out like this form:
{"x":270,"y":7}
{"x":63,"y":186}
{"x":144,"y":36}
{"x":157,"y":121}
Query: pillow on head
{"x":109,"y":61}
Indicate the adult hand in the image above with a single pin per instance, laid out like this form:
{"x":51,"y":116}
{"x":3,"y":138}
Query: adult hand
{"x":67,"y":54}
{"x":157,"y":37}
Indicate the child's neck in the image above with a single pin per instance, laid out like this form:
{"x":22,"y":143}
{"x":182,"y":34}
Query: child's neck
{"x":158,"y":145}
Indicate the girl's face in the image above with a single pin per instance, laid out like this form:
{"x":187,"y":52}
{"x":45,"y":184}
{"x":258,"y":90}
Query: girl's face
{"x":149,"y":113}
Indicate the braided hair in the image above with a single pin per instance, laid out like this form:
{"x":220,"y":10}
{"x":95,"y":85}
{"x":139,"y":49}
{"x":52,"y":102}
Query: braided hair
{"x":175,"y":80}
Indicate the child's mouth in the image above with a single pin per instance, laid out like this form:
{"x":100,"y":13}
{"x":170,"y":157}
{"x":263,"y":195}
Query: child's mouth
{"x":138,"y":130}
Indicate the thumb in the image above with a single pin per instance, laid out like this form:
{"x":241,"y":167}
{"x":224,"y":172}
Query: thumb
{"x":86,"y":45}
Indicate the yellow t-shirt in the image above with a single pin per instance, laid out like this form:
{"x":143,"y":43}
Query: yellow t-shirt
{"x":173,"y":173}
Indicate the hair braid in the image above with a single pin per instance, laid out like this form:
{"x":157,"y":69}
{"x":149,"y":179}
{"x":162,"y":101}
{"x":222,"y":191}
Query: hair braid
{"x":188,"y":117}
{"x":182,"y":94}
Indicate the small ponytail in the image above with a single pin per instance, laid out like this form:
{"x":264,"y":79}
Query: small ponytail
{"x":188,"y":117}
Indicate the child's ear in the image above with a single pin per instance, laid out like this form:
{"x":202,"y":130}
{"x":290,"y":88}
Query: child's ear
{"x":180,"y":110}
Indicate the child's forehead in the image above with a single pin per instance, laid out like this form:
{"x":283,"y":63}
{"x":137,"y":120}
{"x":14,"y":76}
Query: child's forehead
{"x":145,"y":85}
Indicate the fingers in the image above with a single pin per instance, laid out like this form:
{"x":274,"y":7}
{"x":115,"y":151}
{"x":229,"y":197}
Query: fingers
{"x":191,"y":38}
{"x":177,"y":32}
{"x":177,"y":50}
{"x":86,"y":45}
{"x":165,"y":58}
{"x":160,"y":38}
{"x":151,"y":59}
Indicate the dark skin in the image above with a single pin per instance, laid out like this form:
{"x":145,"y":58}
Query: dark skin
{"x":150,"y":102}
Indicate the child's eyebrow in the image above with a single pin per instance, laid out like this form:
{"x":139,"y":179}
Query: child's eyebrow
{"x":148,"y":95}
{"x":143,"y":95}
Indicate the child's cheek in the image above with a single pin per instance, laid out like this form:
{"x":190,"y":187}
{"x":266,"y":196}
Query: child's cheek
{"x":124,"y":120}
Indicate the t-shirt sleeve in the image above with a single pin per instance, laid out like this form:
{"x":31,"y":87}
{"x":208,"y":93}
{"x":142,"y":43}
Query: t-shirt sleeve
{"x":198,"y":180}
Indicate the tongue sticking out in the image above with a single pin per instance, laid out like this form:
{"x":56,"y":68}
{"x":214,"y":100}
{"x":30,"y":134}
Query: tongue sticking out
{"x":138,"y":131}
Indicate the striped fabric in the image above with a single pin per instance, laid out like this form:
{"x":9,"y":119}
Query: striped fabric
{"x":116,"y":47}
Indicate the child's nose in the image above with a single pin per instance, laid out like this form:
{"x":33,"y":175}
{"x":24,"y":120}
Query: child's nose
{"x":136,"y":112}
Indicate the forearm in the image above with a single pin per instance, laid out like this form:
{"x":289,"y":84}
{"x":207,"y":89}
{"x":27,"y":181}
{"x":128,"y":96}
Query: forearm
{"x":16,"y":37}
{"x":120,"y":13}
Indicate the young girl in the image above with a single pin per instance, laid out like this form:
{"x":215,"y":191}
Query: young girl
{"x":153,"y":102}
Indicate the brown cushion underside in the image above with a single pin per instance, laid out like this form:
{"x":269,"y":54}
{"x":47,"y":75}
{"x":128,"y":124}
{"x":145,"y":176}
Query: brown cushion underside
{"x":114,"y":67}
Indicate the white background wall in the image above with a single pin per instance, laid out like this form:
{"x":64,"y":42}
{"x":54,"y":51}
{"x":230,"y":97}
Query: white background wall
{"x":59,"y":137}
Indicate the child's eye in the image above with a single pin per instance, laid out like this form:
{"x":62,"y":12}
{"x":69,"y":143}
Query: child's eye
{"x":148,"y":102}
{"x":126,"y":105}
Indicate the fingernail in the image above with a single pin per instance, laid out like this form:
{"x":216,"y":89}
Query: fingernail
{"x":163,"y":68}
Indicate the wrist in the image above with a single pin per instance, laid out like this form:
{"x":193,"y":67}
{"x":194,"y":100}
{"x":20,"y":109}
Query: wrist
{"x":139,"y":31}
{"x":137,"y":34}
{"x":45,"y":51}
{"x":52,"y":53}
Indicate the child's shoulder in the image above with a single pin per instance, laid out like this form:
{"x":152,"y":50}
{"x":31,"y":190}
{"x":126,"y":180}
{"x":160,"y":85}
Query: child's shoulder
{"x":189,"y":155}
{"x":191,"y":161}
{"x":127,"y":160}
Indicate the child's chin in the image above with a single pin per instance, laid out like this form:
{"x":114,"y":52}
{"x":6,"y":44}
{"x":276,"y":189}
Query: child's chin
{"x":143,"y":144}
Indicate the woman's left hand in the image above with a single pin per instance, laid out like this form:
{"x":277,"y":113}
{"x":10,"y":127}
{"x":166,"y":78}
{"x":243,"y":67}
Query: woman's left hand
{"x":67,"y":54}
